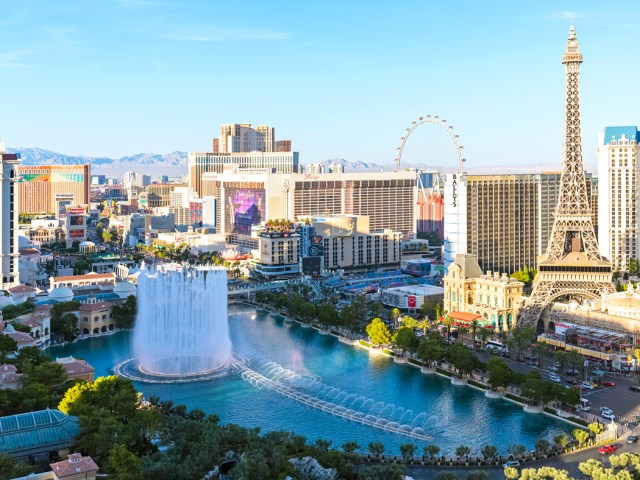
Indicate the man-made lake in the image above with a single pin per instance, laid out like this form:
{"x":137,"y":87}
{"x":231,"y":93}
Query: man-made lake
{"x":321,"y":367}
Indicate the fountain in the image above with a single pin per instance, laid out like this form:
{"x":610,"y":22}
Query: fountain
{"x":182,"y":331}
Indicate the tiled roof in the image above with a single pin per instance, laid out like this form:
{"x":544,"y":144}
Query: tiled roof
{"x":75,"y":464}
{"x":92,"y":307}
{"x":21,"y":288}
{"x":89,"y":276}
{"x":20,"y":337}
{"x":615,"y":134}
{"x":77,"y":367}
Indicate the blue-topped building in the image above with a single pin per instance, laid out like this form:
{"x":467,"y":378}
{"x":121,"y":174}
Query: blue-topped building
{"x":615,"y":135}
{"x":618,"y":195}
{"x":40,"y":435}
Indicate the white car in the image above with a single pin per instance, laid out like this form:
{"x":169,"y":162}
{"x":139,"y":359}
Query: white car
{"x":608,"y":415}
{"x":554,"y":378}
{"x":586,"y":385}
{"x":553,"y":368}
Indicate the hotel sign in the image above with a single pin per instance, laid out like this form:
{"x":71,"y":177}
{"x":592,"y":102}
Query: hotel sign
{"x":454,"y":189}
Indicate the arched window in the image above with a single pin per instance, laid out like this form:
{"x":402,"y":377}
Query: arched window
{"x":510,"y":302}
{"x":501,"y":321}
{"x":469,"y":298}
{"x":493,"y":320}
{"x":509,"y":320}
{"x":454,"y":297}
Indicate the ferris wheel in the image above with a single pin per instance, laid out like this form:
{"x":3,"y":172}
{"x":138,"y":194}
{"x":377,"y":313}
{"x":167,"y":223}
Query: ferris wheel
{"x":455,"y":152}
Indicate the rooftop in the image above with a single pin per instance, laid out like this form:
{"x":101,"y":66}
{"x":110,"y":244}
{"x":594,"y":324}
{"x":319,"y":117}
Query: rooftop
{"x":36,"y":429}
{"x":74,"y":465}
{"x":615,"y":134}
{"x":88,"y":276}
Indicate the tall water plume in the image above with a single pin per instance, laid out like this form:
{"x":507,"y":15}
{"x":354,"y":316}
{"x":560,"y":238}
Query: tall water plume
{"x":182,"y":326}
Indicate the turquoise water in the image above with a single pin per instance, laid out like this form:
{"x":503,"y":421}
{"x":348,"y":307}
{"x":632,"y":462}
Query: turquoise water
{"x":452,"y":416}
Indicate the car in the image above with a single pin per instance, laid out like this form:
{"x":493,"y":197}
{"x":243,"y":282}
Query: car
{"x":556,"y":364}
{"x":605,"y":409}
{"x":606,"y":449}
{"x":572,"y":372}
{"x":632,"y":439}
{"x":511,"y":464}
{"x":634,"y":388}
{"x":553,"y":368}
{"x":609,"y":384}
{"x":555,"y":379}
{"x":608,"y":415}
{"x":572,"y":381}
{"x":587,"y":385}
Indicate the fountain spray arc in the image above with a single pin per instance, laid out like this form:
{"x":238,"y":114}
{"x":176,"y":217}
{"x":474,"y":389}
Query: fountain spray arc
{"x":182,"y":327}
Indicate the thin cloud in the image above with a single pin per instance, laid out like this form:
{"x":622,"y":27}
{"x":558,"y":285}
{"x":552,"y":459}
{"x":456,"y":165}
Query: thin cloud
{"x":11,"y":60}
{"x":137,"y":3}
{"x":225,"y":35}
{"x":566,"y":15}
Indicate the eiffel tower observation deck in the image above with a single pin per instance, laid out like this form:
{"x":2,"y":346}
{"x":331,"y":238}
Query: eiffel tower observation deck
{"x":572,"y":265}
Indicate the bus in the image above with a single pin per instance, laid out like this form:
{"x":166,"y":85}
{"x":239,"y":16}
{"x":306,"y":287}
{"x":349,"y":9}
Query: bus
{"x":496,"y":347}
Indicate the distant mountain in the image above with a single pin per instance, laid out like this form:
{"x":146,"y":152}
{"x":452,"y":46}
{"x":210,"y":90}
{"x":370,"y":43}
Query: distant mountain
{"x":174,"y":163}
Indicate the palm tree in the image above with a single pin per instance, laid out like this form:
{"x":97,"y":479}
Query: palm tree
{"x":473,"y":328}
{"x":395,"y":314}
{"x":539,"y":350}
{"x":484,"y":335}
{"x":448,"y":322}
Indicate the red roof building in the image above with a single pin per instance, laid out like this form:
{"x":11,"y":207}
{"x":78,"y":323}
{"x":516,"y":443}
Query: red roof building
{"x":75,"y":467}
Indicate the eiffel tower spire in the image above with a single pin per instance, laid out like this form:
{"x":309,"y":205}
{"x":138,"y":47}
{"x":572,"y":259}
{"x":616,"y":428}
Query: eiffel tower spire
{"x":572,"y":264}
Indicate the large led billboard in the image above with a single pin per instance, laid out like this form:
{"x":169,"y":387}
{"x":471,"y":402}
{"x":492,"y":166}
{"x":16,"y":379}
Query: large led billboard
{"x":244,"y":208}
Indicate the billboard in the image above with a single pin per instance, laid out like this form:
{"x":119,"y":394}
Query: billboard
{"x":76,"y":220}
{"x":76,"y":233}
{"x":244,"y":208}
{"x":311,"y":265}
{"x":411,"y":301}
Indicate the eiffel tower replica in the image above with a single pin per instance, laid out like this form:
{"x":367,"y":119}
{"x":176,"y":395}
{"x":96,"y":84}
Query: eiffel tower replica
{"x":572,"y":265}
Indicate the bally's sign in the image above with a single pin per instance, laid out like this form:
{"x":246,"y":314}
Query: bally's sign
{"x":454,"y":189}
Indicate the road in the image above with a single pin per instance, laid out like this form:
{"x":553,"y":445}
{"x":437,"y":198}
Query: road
{"x":567,"y":462}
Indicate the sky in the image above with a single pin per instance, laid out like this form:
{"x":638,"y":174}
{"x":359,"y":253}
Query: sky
{"x":341,"y":79}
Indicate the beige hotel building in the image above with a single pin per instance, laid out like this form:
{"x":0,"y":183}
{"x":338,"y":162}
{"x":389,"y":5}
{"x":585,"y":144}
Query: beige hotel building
{"x":47,"y":189}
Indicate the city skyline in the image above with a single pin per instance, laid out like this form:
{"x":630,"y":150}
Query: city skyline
{"x":126,"y":76}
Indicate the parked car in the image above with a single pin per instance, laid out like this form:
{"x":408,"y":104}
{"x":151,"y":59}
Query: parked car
{"x":554,"y":378}
{"x":511,"y":464}
{"x":632,"y":439}
{"x":608,"y":415}
{"x":572,"y":381}
{"x":572,"y":372}
{"x":587,"y":385}
{"x":609,"y":384}
{"x":553,"y":368}
{"x":605,"y":409}
{"x":634,"y":388}
{"x":606,"y":449}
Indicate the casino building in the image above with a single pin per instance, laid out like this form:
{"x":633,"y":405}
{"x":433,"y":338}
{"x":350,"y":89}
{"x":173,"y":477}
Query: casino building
{"x":48,"y":189}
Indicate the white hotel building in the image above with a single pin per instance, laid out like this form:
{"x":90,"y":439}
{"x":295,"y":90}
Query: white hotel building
{"x":618,"y":232}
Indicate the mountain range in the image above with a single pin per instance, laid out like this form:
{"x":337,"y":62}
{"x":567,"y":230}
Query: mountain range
{"x":175,"y":164}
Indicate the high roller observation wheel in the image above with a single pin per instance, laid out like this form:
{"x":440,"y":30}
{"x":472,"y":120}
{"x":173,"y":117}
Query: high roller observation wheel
{"x":434,"y":120}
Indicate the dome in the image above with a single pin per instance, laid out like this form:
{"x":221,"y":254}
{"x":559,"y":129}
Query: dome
{"x":124,"y":289}
{"x":87,"y":243}
{"x":61,"y":294}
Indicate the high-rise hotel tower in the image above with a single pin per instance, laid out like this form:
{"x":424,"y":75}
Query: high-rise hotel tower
{"x":9,"y":249}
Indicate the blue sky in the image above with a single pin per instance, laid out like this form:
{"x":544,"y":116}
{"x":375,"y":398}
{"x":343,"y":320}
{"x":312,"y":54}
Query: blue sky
{"x":339,"y":78}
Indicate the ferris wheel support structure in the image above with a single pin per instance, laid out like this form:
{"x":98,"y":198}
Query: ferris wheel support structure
{"x":434,"y":120}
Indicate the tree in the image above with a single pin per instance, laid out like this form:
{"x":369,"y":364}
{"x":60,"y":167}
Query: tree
{"x":376,"y":448}
{"x":430,"y":350}
{"x":574,"y":359}
{"x":406,"y":339}
{"x":462,"y":359}
{"x":571,"y":396}
{"x":590,"y":466}
{"x":431,"y":451}
{"x":448,"y":322}
{"x":407,"y":450}
{"x":447,"y":476}
{"x":544,"y":473}
{"x":561,"y":357}
{"x":10,"y":468}
{"x":429,"y":309}
{"x":124,"y":315}
{"x":499,"y":373}
{"x":462,"y":451}
{"x":539,"y":349}
{"x":350,"y":447}
{"x":561,"y":440}
{"x":323,"y":444}
{"x":520,"y":339}
{"x":378,"y":332}
{"x":7,"y":345}
{"x":511,"y":473}
{"x":382,"y":472}
{"x":596,"y":428}
{"x":478,"y":475}
{"x":474,"y":326}
{"x":395,"y":314}
{"x":489,"y":452}
{"x":581,"y":436}
{"x":484,"y":334}
{"x":516,"y":450}
{"x":65,"y":326}
{"x":327,"y":314}
{"x":124,"y":465}
{"x":30,"y":357}
{"x":542,"y":445}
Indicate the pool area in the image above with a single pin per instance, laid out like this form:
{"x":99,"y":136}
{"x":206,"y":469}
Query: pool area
{"x":293,"y":378}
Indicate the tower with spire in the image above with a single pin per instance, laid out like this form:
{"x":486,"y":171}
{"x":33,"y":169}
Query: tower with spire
{"x":572,"y":264}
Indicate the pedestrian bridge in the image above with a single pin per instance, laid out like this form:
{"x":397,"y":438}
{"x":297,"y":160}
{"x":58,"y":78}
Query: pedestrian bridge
{"x":246,"y":289}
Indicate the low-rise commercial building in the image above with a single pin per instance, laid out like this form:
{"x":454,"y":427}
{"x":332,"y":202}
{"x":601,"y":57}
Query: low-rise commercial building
{"x":412,"y":297}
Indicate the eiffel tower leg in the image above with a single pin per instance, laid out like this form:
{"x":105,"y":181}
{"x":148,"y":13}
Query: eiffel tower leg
{"x":540,"y":298}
